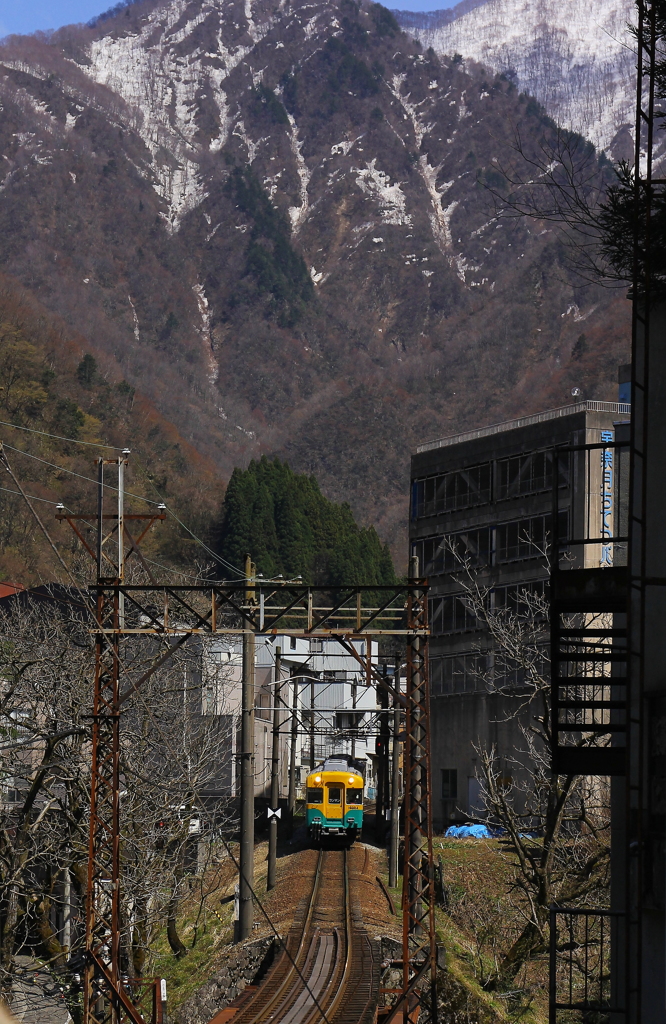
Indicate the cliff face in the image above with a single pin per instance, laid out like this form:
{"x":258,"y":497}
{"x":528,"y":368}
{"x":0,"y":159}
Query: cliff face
{"x":576,"y":59}
{"x":274,"y":219}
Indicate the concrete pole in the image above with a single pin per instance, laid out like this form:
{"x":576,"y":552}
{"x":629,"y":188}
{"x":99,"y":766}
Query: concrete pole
{"x":122,"y":462}
{"x":275,"y":775}
{"x":383,"y":795}
{"x":67,"y":911}
{"x":292,"y":753}
{"x":312,"y":725}
{"x":395,"y":785}
{"x":246,"y":880}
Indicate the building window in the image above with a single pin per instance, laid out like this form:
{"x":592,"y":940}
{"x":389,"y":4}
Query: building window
{"x":451,"y":614}
{"x":510,"y":675}
{"x":529,"y":474}
{"x":292,"y":643}
{"x":445,"y":554}
{"x":459,"y":673}
{"x":316,"y":646}
{"x":527,"y":538}
{"x":525,"y":599}
{"x":449,"y":783}
{"x":448,"y":492}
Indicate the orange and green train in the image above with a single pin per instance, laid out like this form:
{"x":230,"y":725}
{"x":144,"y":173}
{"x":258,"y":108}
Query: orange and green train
{"x":334,"y":799}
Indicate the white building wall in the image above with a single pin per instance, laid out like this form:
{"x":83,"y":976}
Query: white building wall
{"x":341,"y":697}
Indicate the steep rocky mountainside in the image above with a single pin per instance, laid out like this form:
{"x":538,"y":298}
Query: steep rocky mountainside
{"x":577,"y":59}
{"x":272,"y":218}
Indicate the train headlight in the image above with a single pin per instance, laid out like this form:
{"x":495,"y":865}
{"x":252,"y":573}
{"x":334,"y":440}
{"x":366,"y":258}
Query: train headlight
{"x":317,"y":778}
{"x":351,"y":780}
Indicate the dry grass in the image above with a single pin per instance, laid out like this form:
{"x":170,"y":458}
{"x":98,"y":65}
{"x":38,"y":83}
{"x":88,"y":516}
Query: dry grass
{"x":483,"y":917}
{"x":479,"y":924}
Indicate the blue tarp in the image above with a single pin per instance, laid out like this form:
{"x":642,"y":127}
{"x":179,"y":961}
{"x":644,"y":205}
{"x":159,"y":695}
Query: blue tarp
{"x":468,"y":831}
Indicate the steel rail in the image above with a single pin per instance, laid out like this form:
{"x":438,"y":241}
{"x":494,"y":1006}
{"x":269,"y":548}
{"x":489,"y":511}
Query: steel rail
{"x":297,"y":958}
{"x":341,"y":988}
{"x":316,"y":969}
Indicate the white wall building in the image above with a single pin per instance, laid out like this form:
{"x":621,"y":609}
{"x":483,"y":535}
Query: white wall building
{"x":314,"y":672}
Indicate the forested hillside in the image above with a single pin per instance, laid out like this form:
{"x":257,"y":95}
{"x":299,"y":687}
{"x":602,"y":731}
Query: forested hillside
{"x":274,"y":220}
{"x":52,"y":384}
{"x":284,"y":521}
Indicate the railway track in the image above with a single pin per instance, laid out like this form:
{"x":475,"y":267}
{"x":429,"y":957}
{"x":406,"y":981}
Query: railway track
{"x":327,"y":973}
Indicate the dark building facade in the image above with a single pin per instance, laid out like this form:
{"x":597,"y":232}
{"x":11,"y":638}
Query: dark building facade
{"x":484,"y":499}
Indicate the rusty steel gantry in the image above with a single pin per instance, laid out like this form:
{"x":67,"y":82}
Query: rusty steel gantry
{"x":177,"y":613}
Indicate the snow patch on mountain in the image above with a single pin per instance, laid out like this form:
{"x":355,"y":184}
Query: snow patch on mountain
{"x":297,"y":214}
{"x":576,"y":59}
{"x":391,"y":198}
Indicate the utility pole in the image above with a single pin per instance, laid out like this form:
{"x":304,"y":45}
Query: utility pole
{"x":291,"y":800}
{"x":312,"y":724}
{"x":382,"y":762}
{"x":122,"y":462}
{"x":354,"y":720}
{"x":275,"y":775}
{"x":395,"y":784}
{"x":246,"y":880}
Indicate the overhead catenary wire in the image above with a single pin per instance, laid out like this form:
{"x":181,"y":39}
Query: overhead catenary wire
{"x":88,"y":479}
{"x":110,"y":447}
{"x":33,"y":497}
{"x":3,"y":456}
{"x":198,"y":800}
{"x":218,"y":558}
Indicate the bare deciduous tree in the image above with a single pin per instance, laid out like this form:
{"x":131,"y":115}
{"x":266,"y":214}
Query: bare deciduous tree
{"x":557,"y":826}
{"x":174,"y":770}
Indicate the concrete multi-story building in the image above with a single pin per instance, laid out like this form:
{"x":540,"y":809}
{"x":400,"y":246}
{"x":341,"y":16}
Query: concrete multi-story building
{"x":484,"y":499}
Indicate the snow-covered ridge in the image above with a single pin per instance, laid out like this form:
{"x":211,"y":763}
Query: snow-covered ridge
{"x":161,"y":74}
{"x":576,"y":58}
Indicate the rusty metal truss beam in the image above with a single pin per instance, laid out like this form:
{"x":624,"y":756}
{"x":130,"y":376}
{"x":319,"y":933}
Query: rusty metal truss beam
{"x":274,"y":609}
{"x":105,"y":999}
{"x":418,"y":898}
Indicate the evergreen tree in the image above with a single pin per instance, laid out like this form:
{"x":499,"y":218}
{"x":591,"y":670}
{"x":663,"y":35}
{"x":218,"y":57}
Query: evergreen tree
{"x":289,"y":527}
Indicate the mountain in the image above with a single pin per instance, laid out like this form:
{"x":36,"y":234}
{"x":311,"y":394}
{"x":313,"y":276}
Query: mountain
{"x":577,"y":60}
{"x":274,"y":219}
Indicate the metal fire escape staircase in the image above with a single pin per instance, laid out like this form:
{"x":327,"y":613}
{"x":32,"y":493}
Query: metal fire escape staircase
{"x":588,"y":622}
{"x":589,"y":700}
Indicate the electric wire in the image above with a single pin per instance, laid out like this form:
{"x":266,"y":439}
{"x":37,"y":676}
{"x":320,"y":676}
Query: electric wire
{"x":255,"y":897}
{"x":110,"y":447}
{"x":33,"y":497}
{"x":131,"y":494}
{"x":89,"y":479}
{"x":198,"y":799}
{"x":39,"y":522}
{"x":218,"y":558}
{"x":169,"y":747}
{"x":59,"y":437}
